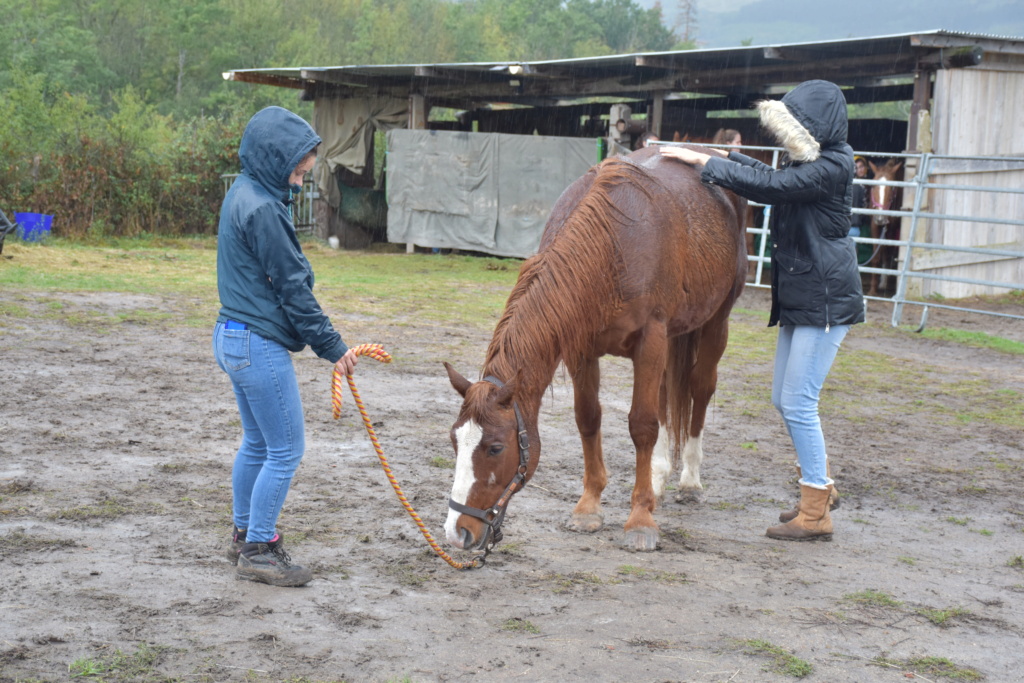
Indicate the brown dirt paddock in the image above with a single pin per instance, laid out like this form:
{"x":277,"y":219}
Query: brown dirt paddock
{"x":116,"y":438}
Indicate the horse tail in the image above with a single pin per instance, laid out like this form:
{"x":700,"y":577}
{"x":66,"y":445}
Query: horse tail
{"x":682,"y":359}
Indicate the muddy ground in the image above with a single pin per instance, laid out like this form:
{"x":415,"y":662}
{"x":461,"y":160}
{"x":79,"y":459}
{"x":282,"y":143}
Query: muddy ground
{"x":117,"y":432}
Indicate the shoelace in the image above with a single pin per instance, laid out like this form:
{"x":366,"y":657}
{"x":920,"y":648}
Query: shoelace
{"x":279,"y":552}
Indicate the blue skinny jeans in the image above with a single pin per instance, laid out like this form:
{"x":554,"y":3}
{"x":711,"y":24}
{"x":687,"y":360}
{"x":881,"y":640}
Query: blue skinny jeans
{"x":273,"y":431}
{"x":803,"y":358}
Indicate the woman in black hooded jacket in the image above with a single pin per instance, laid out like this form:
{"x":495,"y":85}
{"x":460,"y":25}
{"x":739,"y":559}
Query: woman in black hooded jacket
{"x":816,"y":287}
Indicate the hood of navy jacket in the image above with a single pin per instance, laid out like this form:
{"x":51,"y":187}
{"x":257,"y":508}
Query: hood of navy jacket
{"x":273,"y":144}
{"x":263,"y":278}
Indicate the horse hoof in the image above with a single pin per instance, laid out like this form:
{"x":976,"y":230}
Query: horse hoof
{"x":585,"y":524}
{"x":690,"y":496}
{"x":642,"y":540}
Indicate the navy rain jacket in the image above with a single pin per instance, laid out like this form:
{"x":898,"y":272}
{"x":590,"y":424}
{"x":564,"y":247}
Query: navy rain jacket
{"x":263,"y":277}
{"x":815,"y":280}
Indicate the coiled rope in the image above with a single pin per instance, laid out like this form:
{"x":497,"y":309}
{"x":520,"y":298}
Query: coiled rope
{"x":377,"y":352}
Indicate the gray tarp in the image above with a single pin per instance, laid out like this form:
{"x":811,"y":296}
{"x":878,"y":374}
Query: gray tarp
{"x":482,"y":192}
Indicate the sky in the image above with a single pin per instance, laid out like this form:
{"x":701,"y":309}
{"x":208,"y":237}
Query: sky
{"x":728,"y":23}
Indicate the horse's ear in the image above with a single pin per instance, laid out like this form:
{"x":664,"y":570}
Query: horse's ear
{"x":896,"y":166}
{"x":504,"y":395}
{"x":874,"y":169}
{"x":460,"y":383}
{"x":675,"y":137}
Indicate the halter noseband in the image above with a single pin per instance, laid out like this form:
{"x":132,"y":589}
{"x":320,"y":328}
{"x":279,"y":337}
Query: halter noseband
{"x":495,"y":515}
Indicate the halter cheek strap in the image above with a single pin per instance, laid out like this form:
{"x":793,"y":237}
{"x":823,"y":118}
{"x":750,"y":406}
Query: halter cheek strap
{"x":495,"y":515}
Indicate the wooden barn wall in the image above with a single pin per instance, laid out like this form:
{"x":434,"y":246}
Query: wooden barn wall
{"x":976,"y":112}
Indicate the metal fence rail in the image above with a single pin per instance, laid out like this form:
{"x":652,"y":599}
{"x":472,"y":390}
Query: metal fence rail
{"x":905,"y":271}
{"x":301,"y":207}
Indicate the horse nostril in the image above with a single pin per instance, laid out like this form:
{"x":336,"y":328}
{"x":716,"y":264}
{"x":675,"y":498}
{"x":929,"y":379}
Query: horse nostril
{"x":467,"y":538}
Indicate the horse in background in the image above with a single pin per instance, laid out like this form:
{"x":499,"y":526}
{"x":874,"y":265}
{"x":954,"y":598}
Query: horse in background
{"x":884,"y":198}
{"x":639,"y":259}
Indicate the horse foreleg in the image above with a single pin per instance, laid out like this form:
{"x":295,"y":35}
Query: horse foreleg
{"x":877,"y":232}
{"x":641,"y":531}
{"x":703,"y":382}
{"x":587,"y":516}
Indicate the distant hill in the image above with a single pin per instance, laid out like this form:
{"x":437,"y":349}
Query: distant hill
{"x":728,"y":23}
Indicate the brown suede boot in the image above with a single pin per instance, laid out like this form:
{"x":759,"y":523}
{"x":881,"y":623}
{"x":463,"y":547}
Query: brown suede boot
{"x":812,"y":522}
{"x":833,"y":499}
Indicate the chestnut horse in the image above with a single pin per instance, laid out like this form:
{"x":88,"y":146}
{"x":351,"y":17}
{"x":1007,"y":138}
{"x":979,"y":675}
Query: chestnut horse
{"x":639,"y":259}
{"x":884,"y":198}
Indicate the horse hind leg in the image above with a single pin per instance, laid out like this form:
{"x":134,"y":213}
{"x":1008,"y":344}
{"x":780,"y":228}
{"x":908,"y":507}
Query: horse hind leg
{"x":700,"y":387}
{"x":587,"y":517}
{"x":661,"y":455}
{"x":690,"y":489}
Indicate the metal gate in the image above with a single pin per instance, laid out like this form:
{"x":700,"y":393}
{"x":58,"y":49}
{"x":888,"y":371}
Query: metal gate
{"x":922,"y":191}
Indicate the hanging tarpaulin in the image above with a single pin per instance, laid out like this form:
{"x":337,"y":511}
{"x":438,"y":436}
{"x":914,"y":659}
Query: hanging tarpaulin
{"x":478,"y":191}
{"x":346,"y":127}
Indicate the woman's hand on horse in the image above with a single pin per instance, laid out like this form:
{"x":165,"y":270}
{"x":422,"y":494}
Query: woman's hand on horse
{"x":346,"y":365}
{"x":684,"y":154}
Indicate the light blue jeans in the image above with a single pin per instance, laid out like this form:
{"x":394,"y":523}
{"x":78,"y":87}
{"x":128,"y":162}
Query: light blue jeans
{"x":803,"y":359}
{"x":273,"y":431}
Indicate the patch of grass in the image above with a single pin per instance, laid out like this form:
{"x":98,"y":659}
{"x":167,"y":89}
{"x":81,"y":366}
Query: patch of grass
{"x":1016,"y":562}
{"x":517,"y":625}
{"x":12,"y":310}
{"x":749,"y":445}
{"x":19,"y":540}
{"x":651,"y":575}
{"x":976,"y":339}
{"x":942,"y":617}
{"x":873,"y":598}
{"x":959,"y":521}
{"x":567,"y":582}
{"x":931,"y":668}
{"x":105,"y":509}
{"x":780,"y":661}
{"x":650,"y":644}
{"x":119,"y":666}
{"x":726,"y":505}
{"x":405,"y":574}
{"x":909,"y":561}
{"x":512,"y":548}
{"x":442,"y":462}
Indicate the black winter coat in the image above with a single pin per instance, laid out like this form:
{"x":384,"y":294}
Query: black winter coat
{"x":815,"y":280}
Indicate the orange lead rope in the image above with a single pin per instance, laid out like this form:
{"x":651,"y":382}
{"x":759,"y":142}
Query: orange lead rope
{"x":377,"y":352}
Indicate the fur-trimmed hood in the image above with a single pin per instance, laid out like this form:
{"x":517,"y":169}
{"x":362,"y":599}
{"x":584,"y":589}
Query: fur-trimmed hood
{"x":810,"y":117}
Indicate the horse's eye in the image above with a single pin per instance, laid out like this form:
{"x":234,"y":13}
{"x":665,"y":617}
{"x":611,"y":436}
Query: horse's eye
{"x":495,"y":449}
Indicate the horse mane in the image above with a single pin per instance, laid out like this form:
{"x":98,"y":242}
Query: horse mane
{"x":566,"y":293}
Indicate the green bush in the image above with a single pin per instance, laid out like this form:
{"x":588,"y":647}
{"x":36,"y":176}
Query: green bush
{"x":120,"y":175}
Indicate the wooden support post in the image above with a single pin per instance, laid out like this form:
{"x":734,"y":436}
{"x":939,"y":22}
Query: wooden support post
{"x":418,"y":112}
{"x":655,"y":113}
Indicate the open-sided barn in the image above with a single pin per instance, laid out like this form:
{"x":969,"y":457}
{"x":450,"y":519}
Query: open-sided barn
{"x":961,"y":94}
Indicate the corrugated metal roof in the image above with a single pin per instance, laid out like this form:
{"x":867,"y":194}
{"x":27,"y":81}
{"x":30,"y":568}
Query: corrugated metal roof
{"x":723,"y":71}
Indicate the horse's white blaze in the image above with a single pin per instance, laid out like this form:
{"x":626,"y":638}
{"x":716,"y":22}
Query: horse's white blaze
{"x":693,"y":454}
{"x":467,"y":438}
{"x":661,"y":462}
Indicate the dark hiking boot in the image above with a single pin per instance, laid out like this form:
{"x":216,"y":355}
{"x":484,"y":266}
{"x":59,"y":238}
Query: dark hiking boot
{"x":269,"y":563}
{"x":237,"y":541}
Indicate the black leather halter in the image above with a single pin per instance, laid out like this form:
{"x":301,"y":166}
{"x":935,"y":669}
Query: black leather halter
{"x":493,"y":516}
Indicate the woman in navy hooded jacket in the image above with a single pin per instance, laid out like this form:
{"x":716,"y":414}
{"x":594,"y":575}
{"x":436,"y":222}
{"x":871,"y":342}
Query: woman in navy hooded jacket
{"x":267,"y":312}
{"x":816,"y":288}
